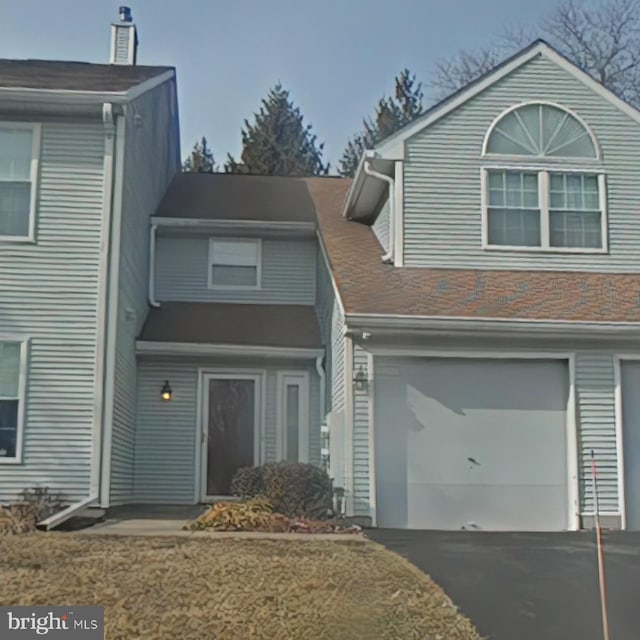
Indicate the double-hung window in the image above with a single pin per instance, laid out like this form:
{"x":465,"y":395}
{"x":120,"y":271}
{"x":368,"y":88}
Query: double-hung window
{"x":549,"y":193}
{"x":18,"y":171}
{"x":235,"y":263}
{"x":10,"y":399}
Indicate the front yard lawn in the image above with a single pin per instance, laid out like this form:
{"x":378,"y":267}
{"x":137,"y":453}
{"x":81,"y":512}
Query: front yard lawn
{"x":231,"y":589}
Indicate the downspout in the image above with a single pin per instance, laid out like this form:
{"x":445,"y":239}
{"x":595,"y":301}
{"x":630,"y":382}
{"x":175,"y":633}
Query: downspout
{"x":323,"y":388}
{"x":108,"y":121}
{"x":389,"y":256}
{"x":152,"y":266}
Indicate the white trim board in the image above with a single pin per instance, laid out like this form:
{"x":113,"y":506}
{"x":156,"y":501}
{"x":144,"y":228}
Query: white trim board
{"x":259,"y":376}
{"x":573,"y":494}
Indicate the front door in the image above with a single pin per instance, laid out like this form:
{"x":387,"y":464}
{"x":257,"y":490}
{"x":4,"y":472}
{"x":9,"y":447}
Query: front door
{"x":231,"y":411}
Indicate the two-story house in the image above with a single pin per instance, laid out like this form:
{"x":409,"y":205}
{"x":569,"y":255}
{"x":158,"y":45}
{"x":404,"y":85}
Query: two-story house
{"x":487,"y":265}
{"x":86,"y":154}
{"x":463,"y":315}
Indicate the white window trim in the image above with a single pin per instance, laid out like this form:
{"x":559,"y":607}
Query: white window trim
{"x":543,"y":196}
{"x":36,"y":130}
{"x":301,"y":378}
{"x":22,"y":395}
{"x":228,"y":287}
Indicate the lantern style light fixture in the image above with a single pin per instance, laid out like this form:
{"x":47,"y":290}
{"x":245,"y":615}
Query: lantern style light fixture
{"x":166,"y":393}
{"x":360,"y":381}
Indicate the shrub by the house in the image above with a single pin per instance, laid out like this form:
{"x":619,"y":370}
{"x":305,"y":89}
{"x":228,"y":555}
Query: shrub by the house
{"x":293,"y":489}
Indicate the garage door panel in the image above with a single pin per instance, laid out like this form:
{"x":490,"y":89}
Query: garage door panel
{"x":630,"y":374}
{"x":460,"y":442}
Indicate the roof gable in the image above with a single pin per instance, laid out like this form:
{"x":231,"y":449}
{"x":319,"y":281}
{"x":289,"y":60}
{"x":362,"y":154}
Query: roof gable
{"x":392,"y":147}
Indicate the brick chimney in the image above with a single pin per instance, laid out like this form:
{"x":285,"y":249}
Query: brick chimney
{"x":124,"y":39}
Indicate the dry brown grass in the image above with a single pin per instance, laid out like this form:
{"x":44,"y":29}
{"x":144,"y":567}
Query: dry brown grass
{"x":231,"y":589}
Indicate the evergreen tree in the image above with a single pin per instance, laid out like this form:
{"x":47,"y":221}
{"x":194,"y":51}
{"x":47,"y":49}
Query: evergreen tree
{"x":278,"y":143}
{"x":200,"y":159}
{"x":391,"y":114}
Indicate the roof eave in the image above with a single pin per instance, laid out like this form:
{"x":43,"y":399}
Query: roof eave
{"x":199,"y":349}
{"x":456,"y":325}
{"x":70,"y":96}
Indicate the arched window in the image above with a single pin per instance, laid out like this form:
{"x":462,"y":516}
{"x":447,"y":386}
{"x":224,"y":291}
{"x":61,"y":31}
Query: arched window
{"x":541,"y":203}
{"x":542,"y":130}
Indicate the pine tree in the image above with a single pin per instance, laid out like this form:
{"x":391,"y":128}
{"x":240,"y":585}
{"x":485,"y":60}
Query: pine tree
{"x":278,"y":143}
{"x":200,"y":159}
{"x":390,"y":115}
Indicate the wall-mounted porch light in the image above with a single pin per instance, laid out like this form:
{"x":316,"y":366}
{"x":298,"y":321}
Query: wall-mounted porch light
{"x":360,"y":380}
{"x":166,"y":393}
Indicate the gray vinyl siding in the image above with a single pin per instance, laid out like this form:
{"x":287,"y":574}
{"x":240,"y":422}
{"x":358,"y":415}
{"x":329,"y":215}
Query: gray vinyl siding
{"x":151,"y":161}
{"x":442,"y":194}
{"x":49,"y":294}
{"x":595,"y":425}
{"x":381,"y":226}
{"x":288,"y":272}
{"x":165,"y":459}
{"x":595,"y":412}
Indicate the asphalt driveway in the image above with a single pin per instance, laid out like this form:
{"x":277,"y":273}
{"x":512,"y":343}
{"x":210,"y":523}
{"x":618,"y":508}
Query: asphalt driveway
{"x":530,"y":586}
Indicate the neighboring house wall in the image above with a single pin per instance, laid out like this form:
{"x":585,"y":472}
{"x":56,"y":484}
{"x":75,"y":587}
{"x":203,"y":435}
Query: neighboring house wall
{"x":150,"y":162}
{"x":166,"y":451}
{"x":594,"y":411}
{"x":442,"y":193}
{"x":49,"y":293}
{"x":381,"y":226}
{"x":288,"y":272}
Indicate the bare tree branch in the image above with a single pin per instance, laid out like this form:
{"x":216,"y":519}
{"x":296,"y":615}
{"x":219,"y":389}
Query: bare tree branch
{"x":602,"y":39}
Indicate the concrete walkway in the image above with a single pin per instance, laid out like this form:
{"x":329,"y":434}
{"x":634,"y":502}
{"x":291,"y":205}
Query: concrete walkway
{"x":168,"y":521}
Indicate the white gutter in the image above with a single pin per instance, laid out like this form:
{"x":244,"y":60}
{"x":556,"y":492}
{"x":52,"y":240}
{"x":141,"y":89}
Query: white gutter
{"x":453,"y":324}
{"x":152,"y":266}
{"x":334,"y":285}
{"x":196,"y":349}
{"x":113,"y":311}
{"x":101,"y":332}
{"x":249,"y":225}
{"x":388,"y":257}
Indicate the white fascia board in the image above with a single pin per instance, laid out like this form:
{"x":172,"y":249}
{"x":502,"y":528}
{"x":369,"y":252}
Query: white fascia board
{"x":456,"y":325}
{"x":257,"y":225}
{"x":144,"y":347}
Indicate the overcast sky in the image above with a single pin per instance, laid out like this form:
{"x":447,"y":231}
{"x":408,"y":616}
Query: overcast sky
{"x":335,"y":56}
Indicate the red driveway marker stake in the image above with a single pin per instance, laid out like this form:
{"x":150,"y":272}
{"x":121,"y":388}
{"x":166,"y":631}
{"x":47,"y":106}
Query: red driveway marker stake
{"x":601,"y":579}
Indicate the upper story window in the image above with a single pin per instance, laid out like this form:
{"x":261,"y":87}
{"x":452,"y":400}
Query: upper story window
{"x":235,"y":263}
{"x":19,"y":144}
{"x":544,"y":189}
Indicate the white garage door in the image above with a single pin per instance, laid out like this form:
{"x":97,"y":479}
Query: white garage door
{"x":470,"y":443}
{"x":631,"y":441}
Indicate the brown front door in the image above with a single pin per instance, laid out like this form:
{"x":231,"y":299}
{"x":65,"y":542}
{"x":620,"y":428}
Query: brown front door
{"x":231,"y":431}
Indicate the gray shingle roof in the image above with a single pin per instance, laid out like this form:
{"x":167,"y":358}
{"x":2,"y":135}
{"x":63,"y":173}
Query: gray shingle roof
{"x":74,"y":76}
{"x":278,"y":325}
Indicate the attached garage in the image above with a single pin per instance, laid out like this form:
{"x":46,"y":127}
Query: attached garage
{"x":630,"y":376}
{"x":471,"y":443}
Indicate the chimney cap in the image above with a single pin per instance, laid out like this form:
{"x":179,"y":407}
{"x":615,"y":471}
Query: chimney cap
{"x":125,"y":14}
